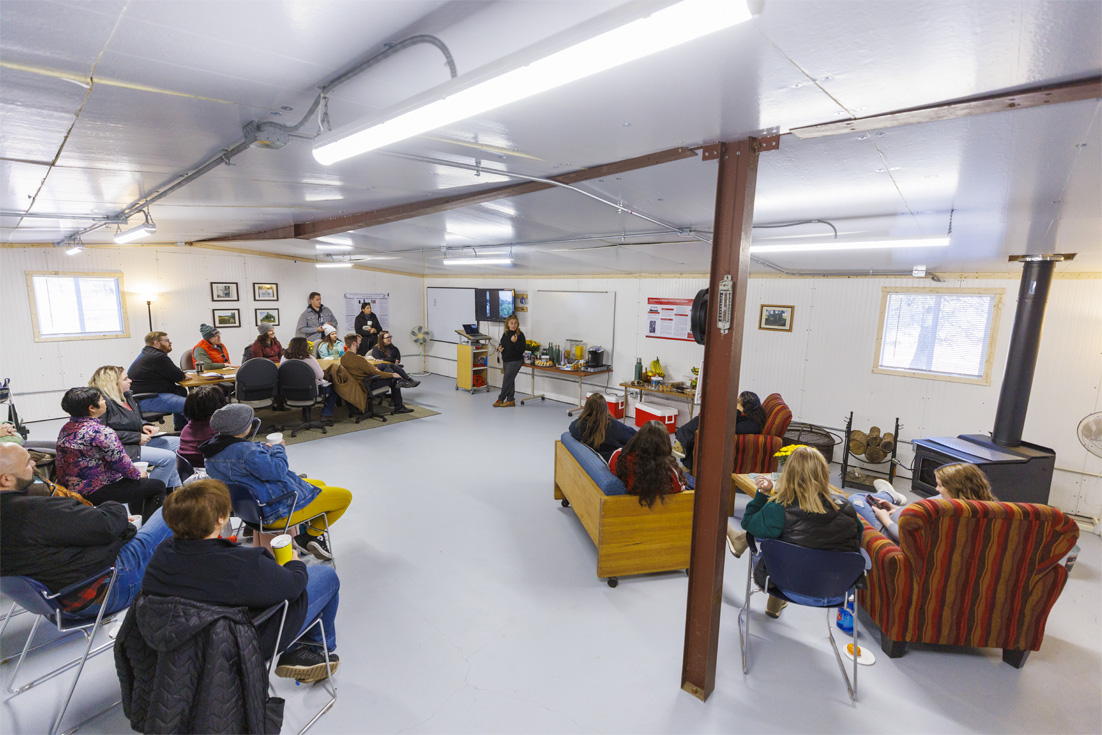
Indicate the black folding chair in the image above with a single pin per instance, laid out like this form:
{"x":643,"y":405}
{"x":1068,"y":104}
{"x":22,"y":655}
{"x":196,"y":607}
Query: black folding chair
{"x":299,"y":389}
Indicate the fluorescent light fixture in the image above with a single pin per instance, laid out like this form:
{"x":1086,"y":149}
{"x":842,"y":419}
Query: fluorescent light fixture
{"x":673,"y":25}
{"x":342,"y":264}
{"x":477,"y":261}
{"x":74,"y":250}
{"x":331,"y":248}
{"x":136,"y":233}
{"x":827,"y":245}
{"x":335,"y":240}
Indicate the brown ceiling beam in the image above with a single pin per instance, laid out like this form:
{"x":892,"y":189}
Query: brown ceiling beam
{"x":386,"y":215}
{"x":1054,"y":94}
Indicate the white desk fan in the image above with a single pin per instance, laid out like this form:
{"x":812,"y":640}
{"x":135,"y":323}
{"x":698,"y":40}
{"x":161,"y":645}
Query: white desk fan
{"x":420,"y":336}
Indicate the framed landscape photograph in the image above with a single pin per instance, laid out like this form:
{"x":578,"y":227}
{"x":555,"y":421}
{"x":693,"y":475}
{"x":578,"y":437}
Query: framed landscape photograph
{"x":226,"y":291}
{"x":226,"y":318}
{"x":265,"y":292}
{"x":776,"y":317}
{"x":267,"y":316}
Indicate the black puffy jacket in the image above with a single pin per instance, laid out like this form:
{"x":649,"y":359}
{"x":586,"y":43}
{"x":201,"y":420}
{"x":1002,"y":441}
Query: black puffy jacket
{"x":170,"y":650}
{"x":127,"y":423}
{"x":838,"y":529}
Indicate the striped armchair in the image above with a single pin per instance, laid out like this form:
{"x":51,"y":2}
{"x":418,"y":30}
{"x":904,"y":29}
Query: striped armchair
{"x":968,"y":573}
{"x":754,"y":452}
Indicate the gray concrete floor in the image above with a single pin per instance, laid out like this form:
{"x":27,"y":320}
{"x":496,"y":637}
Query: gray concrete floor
{"x":470,"y":603}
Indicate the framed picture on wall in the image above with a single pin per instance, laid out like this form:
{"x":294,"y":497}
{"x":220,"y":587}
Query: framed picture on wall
{"x":226,"y":318}
{"x":776,"y":318}
{"x":267,"y":316}
{"x":225,"y":291}
{"x":265,"y":292}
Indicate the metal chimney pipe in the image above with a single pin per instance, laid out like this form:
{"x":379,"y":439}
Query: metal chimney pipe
{"x":1025,"y":340}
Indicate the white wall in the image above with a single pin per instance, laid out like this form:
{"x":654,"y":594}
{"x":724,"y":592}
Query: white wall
{"x":41,"y":371}
{"x":823,"y":367}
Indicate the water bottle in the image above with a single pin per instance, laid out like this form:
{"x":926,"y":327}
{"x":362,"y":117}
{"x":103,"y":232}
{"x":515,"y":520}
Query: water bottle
{"x":845,"y":618}
{"x":638,"y":368}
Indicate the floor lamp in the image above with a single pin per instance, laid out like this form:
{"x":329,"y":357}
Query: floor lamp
{"x":149,"y":299}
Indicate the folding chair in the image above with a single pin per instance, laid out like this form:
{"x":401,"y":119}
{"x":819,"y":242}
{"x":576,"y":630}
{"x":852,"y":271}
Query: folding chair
{"x":251,"y":512}
{"x":327,"y":682}
{"x":809,"y":577}
{"x":36,"y":598}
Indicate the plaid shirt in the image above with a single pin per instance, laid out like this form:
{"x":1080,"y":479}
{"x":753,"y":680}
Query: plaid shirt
{"x":78,"y":599}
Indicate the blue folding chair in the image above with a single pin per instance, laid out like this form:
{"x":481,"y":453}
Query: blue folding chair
{"x":809,"y":577}
{"x":35,"y":598}
{"x":251,"y":512}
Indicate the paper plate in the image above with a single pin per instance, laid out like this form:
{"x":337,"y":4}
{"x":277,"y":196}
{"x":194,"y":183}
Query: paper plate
{"x":864,"y":655}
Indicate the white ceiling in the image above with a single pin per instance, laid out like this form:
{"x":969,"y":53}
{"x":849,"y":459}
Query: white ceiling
{"x":173,"y":82}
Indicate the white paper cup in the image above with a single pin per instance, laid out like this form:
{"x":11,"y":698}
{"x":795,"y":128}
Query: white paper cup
{"x":142,"y":467}
{"x":136,"y":520}
{"x":275,"y":438}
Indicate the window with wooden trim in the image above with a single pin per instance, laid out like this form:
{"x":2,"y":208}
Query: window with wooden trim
{"x":72,"y":306}
{"x":942,"y":334}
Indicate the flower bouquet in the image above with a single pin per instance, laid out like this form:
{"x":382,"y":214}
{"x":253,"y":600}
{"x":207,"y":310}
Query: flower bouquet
{"x":784,"y":453}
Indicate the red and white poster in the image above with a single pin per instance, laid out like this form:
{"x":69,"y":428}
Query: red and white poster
{"x":668,"y":319}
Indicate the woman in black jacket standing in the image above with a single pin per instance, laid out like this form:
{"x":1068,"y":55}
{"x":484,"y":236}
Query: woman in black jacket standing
{"x":124,"y":415}
{"x":368,"y":327}
{"x":511,"y":348}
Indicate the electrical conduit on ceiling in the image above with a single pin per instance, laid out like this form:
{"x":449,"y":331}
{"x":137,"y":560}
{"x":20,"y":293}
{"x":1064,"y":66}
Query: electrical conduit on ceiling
{"x":270,"y":134}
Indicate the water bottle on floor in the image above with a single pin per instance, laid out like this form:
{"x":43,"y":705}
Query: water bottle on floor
{"x":845,"y":617}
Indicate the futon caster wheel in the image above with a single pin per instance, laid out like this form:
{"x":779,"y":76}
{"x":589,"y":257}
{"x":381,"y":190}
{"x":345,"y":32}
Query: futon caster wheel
{"x":565,"y":503}
{"x":612,"y":581}
{"x":543,"y":398}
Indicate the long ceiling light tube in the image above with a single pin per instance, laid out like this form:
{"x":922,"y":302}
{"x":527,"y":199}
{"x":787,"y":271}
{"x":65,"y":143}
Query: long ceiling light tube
{"x":477,"y":261}
{"x":145,"y":229}
{"x":340,"y":264}
{"x":831,"y":245}
{"x":514,"y":79}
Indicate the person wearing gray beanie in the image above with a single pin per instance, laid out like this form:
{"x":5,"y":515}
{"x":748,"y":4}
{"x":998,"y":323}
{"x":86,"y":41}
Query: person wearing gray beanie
{"x":266,"y":344}
{"x":233,"y":419}
{"x":286,"y":499}
{"x":210,"y":353}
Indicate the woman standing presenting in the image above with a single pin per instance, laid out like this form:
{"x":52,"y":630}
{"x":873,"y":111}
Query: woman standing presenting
{"x":512,"y":348}
{"x":368,"y":327}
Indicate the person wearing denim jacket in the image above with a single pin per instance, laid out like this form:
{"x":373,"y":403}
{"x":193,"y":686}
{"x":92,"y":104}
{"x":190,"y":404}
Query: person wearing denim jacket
{"x":232,"y":457}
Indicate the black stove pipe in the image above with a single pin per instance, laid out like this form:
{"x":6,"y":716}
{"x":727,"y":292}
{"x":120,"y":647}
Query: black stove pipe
{"x":1025,"y":341}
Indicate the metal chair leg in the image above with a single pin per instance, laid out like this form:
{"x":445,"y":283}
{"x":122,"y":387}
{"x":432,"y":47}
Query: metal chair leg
{"x":327,"y":682}
{"x":850,"y":687}
{"x":744,"y":616}
{"x":87,"y":649}
{"x":12,"y":612}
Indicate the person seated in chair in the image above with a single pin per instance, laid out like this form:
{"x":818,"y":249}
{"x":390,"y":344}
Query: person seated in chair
{"x":358,"y":368}
{"x":197,"y":564}
{"x":92,"y":462}
{"x":957,"y":481}
{"x":210,"y":353}
{"x":154,"y":372}
{"x":646,"y":465}
{"x":596,"y":428}
{"x":299,"y":349}
{"x":388,"y":358}
{"x":803,"y":511}
{"x":137,"y":436}
{"x":330,"y":346}
{"x":751,"y":420}
{"x":59,"y":541}
{"x":200,"y":405}
{"x":266,"y":344}
{"x":232,"y":457}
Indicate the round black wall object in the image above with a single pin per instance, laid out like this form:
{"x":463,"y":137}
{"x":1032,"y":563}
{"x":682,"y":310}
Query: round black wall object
{"x":699,"y":316}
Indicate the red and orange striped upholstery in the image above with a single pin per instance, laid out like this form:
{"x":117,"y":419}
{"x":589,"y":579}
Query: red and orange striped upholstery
{"x":968,"y":573}
{"x":754,"y":452}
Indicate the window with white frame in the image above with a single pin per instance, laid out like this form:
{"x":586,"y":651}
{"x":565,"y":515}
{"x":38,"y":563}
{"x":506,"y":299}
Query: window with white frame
{"x":943,"y":334}
{"x":68,"y":306}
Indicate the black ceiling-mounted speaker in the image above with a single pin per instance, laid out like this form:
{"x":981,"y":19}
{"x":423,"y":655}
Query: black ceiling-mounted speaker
{"x":699,"y":316}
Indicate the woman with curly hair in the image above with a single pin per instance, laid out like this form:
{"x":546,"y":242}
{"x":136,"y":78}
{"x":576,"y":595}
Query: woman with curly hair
{"x":646,"y":465}
{"x":598,"y":430}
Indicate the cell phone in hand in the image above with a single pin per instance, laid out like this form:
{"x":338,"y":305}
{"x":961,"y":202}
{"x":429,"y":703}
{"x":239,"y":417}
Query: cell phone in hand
{"x":881,"y":504}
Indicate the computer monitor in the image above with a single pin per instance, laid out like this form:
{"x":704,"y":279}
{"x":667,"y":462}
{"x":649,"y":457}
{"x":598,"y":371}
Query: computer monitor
{"x":494,"y":304}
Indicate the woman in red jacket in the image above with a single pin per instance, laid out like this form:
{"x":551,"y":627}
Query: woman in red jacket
{"x":266,"y":344}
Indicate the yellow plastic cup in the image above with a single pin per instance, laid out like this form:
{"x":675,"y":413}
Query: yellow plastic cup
{"x":281,"y":547}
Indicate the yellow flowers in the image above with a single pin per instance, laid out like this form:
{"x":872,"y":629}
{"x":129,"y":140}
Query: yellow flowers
{"x":785,"y":451}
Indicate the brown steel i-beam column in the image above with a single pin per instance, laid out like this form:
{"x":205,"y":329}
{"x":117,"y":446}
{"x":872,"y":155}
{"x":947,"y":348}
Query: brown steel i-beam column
{"x":738,"y":171}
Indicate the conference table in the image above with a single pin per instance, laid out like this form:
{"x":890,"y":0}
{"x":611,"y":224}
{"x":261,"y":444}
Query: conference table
{"x":228,"y":374}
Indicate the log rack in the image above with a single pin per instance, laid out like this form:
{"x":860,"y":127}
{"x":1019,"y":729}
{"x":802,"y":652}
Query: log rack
{"x":875,"y":470}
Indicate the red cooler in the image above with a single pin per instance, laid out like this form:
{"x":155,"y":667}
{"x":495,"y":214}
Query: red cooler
{"x":645,"y":413}
{"x":615,"y":405}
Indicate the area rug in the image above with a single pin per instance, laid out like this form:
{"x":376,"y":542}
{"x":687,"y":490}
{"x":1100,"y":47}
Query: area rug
{"x":341,"y":423}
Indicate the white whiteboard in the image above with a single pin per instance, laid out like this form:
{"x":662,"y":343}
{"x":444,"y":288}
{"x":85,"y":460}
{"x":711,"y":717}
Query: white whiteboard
{"x":556,"y":316}
{"x":446,"y":310}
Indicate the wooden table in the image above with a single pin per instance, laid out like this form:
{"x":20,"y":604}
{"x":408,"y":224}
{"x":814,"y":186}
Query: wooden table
{"x":229,"y":374}
{"x":673,"y":395}
{"x":579,"y":375}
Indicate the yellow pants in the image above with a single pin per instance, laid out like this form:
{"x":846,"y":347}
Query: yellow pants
{"x":333,"y":501}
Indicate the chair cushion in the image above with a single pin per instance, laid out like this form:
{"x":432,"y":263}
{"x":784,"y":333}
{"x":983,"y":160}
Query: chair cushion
{"x":594,"y":466}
